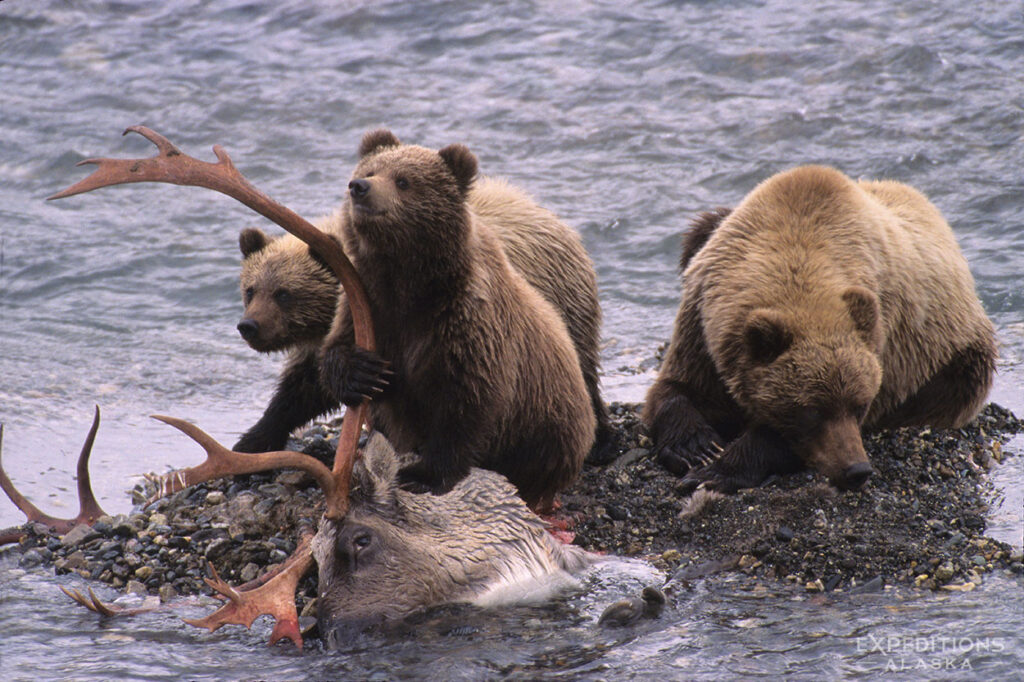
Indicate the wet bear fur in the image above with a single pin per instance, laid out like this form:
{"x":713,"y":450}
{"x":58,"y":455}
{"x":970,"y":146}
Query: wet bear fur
{"x":279,"y":273}
{"x":818,"y":307}
{"x":290,"y":296}
{"x":474,"y":367}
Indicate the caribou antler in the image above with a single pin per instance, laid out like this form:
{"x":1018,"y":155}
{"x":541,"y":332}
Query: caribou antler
{"x":89,"y":509}
{"x":223,"y":462}
{"x":170,"y":165}
{"x":275,"y":598}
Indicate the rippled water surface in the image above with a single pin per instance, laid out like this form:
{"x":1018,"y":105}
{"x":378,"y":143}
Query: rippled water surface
{"x":624,"y":118}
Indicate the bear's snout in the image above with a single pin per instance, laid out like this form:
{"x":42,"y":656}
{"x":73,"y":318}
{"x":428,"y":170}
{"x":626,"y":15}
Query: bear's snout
{"x":249,"y":328}
{"x":854,"y":476}
{"x":359,"y":188}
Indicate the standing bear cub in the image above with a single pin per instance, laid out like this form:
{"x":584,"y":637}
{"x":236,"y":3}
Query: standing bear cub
{"x":290,"y":298}
{"x":474,"y":367}
{"x":817,"y":307}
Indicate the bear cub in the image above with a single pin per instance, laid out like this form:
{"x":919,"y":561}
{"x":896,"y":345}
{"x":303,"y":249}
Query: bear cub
{"x":474,"y":367}
{"x":818,"y":307}
{"x":290,"y":298}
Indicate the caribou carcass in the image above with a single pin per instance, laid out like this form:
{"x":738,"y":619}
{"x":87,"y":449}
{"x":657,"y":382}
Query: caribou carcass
{"x":382,"y":552}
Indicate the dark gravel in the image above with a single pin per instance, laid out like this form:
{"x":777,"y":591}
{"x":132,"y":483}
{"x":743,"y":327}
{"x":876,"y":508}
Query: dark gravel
{"x":920,"y":520}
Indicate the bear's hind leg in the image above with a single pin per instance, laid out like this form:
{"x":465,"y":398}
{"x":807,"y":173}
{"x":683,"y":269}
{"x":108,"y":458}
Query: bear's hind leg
{"x":758,"y":453}
{"x":953,"y":396}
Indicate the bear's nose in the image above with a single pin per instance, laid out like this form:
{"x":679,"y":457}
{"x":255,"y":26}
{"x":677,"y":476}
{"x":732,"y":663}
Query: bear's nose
{"x":855,"y":476}
{"x":248,"y":328}
{"x":359,"y":188}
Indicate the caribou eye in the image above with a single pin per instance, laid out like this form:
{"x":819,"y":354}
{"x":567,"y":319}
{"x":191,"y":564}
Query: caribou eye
{"x":402,"y":183}
{"x":282,"y":296}
{"x":361,"y":541}
{"x":249,"y":293}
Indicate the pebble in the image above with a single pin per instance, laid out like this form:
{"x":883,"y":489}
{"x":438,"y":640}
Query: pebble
{"x":79,"y":534}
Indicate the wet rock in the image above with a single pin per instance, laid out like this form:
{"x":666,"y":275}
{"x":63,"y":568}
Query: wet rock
{"x":784,"y":533}
{"x":876,"y":584}
{"x":135,"y":587}
{"x":31,"y":558}
{"x":167,"y":593}
{"x":78,"y":535}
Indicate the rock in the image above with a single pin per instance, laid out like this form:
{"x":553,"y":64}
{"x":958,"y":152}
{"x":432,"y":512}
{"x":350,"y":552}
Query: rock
{"x":629,"y":457}
{"x":784,"y":534}
{"x":944,"y":572}
{"x":31,"y":558}
{"x":167,"y":593}
{"x":214,"y":497}
{"x":135,"y":587}
{"x":249,"y":572}
{"x":77,"y":535}
{"x":144,"y":572}
{"x":876,"y":584}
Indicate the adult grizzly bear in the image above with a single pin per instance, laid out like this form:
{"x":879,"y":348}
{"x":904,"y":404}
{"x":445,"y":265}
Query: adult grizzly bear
{"x":475,"y":367}
{"x":818,"y":306}
{"x":290,"y":298}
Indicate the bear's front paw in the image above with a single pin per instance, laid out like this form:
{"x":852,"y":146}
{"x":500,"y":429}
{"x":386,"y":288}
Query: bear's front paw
{"x":683,"y":456}
{"x":353,"y":375}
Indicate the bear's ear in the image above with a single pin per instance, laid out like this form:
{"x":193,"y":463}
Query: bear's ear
{"x":323,"y":263}
{"x":766,"y":336}
{"x":251,"y":240}
{"x":864,"y":309}
{"x":462,"y":163}
{"x":375,"y":140}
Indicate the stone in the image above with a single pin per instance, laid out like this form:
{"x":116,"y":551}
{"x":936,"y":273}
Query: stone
{"x":77,"y":535}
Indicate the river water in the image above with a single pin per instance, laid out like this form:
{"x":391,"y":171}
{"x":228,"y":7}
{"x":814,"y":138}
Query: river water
{"x":624,"y":118}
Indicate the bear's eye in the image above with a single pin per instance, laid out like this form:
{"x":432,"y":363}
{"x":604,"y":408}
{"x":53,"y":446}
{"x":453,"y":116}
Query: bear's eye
{"x":808,"y":419}
{"x":282,"y":296}
{"x":402,"y":183}
{"x":249,"y":293}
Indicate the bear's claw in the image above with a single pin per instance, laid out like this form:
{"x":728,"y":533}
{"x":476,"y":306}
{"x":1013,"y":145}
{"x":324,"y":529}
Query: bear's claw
{"x":354,"y":374}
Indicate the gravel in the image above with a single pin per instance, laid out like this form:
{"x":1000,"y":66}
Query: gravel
{"x":920,"y":520}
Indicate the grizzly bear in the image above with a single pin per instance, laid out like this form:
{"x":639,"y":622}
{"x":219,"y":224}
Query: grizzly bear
{"x":290,"y":296}
{"x":474,"y":367}
{"x":280,"y":277}
{"x":818,"y":307}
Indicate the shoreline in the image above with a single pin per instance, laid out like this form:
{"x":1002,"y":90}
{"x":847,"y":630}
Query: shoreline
{"x":919,"y":521}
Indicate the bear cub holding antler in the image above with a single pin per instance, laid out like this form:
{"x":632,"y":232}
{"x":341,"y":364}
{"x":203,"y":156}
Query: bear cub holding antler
{"x":474,"y":367}
{"x":290,"y":297}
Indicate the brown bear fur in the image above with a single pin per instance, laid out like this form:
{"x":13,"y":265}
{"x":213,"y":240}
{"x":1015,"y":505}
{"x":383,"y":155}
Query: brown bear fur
{"x":290,"y":297}
{"x":818,"y":306}
{"x":483,"y":370}
{"x":544,"y":250}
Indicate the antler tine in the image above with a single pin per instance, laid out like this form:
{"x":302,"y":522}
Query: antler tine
{"x":275,"y":598}
{"x":89,"y":509}
{"x":223,"y":462}
{"x":171,"y":165}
